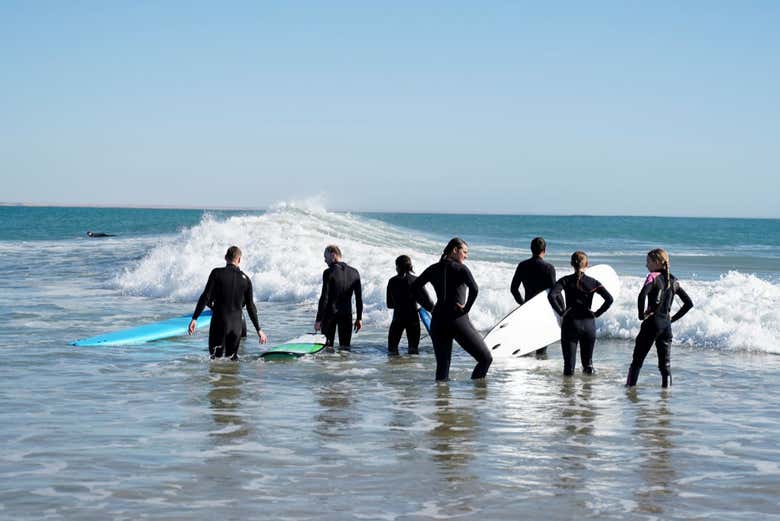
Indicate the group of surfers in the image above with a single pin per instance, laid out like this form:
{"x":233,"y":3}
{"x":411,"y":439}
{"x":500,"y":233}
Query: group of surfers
{"x":228,"y":290}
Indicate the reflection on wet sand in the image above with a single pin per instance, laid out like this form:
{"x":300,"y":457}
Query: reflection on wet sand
{"x":654,"y":430}
{"x":577,"y":417}
{"x":455,"y":432}
{"x":336,"y":417}
{"x":224,"y":401}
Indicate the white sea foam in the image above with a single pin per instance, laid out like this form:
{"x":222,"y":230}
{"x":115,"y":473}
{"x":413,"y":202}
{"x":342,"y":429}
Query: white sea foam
{"x":283,"y":256}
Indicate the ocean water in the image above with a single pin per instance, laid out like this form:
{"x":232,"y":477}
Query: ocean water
{"x":161,"y":432}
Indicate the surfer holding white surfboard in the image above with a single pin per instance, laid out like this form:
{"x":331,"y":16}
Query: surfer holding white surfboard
{"x":456,"y":292}
{"x":535,"y":275}
{"x":578,"y":325}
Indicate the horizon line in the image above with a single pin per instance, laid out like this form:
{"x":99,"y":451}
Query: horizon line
{"x":134,"y":206}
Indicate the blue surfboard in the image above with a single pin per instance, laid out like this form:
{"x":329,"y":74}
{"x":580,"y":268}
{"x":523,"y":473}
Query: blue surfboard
{"x":426,"y":319}
{"x":147,"y":333}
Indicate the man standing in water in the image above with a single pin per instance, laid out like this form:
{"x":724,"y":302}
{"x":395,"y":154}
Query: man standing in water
{"x":227,"y":291}
{"x":339,"y":282}
{"x":535,"y":274}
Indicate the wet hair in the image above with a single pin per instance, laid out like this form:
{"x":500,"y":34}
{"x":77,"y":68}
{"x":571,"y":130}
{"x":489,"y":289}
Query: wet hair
{"x":538,"y":245}
{"x":403,"y":264}
{"x":455,"y":243}
{"x":332,"y":248}
{"x":660,"y":256}
{"x":233,"y":254}
{"x":579,"y":260}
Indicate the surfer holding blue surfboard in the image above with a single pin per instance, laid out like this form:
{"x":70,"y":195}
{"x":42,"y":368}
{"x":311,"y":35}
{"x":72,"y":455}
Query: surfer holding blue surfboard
{"x":579,"y":324}
{"x":456,"y":292}
{"x":403,"y":301}
{"x":227,"y":291}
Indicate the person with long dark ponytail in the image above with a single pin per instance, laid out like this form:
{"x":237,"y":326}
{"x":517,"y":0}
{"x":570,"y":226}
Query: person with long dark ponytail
{"x":579,"y":324}
{"x":403,"y":302}
{"x":659,"y":290}
{"x":456,"y":292}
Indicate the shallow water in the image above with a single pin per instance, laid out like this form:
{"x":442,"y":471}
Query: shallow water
{"x":162,"y":432}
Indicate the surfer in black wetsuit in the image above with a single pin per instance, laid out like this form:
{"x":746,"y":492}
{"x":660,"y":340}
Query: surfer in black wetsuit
{"x":95,"y":235}
{"x":227,"y":291}
{"x":403,"y":302}
{"x":339,"y":282}
{"x":659,"y":290}
{"x":535,"y":274}
{"x":578,"y":324}
{"x":450,"y":318}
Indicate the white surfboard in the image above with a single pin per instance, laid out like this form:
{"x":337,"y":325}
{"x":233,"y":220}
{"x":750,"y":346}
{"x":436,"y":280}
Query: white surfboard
{"x":535,"y":324}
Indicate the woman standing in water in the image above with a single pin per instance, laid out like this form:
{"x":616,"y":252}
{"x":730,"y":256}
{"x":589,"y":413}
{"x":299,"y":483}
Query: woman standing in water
{"x":659,"y":290}
{"x":579,"y":324}
{"x":452,"y":280}
{"x":403,"y":302}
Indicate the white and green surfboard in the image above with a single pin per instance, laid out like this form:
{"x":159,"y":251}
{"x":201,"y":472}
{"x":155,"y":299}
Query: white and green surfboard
{"x":308,"y":344}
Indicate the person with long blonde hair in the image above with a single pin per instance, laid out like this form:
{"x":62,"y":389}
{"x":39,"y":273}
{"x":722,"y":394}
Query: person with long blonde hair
{"x":659,"y":290}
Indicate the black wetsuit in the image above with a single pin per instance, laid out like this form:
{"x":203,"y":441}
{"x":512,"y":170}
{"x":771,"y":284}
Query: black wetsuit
{"x":97,"y":235}
{"x":578,"y":324}
{"x":536,"y":275}
{"x":227,"y":291}
{"x":658,"y":326}
{"x":403,"y":302}
{"x":339,"y":282}
{"x":448,"y":322}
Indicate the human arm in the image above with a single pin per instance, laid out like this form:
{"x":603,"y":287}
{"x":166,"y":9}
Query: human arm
{"x":422,"y":297}
{"x":608,"y":300}
{"x":514,"y":286}
{"x":390,"y":301}
{"x":358,"y":288}
{"x":471,"y":284}
{"x":322,"y":305}
{"x":687,"y":303}
{"x":642,"y":298}
{"x":252,"y":310}
{"x":555,"y":299}
{"x":205,"y":298}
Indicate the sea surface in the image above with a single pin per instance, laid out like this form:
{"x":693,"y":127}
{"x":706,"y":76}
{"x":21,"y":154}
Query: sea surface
{"x":160,"y":432}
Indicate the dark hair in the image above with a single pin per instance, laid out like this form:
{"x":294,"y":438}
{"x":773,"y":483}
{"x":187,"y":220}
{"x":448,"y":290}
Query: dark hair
{"x":455,"y":243}
{"x":332,"y":248}
{"x":403,"y":264}
{"x":538,"y":245}
{"x":233,"y":254}
{"x":579,"y":260}
{"x":659,"y":255}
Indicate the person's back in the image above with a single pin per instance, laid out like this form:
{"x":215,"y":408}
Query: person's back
{"x":227,"y":291}
{"x":342,"y":281}
{"x":400,"y":297}
{"x":534,"y":274}
{"x":334,"y":311}
{"x":579,"y":293}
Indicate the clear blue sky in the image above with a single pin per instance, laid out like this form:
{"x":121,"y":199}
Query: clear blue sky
{"x":661,"y":108}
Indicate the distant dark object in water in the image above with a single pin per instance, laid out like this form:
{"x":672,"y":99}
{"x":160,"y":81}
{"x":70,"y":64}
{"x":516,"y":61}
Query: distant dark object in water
{"x":99,"y":234}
